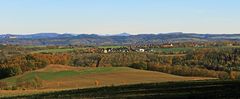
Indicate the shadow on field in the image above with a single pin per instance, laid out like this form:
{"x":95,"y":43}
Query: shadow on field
{"x":174,"y":90}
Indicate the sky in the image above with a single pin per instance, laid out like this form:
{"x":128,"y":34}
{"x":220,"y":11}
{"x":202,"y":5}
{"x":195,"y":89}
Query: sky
{"x":118,"y":16}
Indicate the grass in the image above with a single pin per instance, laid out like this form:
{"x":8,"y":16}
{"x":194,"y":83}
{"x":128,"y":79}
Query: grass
{"x":51,"y":76}
{"x":110,"y":46}
{"x":33,"y":46}
{"x":53,"y":50}
{"x":212,"y":89}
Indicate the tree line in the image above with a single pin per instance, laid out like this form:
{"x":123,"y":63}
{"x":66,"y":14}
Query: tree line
{"x":22,"y":63}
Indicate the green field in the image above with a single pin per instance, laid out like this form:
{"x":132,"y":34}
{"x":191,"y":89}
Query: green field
{"x":53,"y":50}
{"x":111,"y":46}
{"x":33,"y":46}
{"x":52,"y":75}
{"x":213,"y":89}
{"x":186,"y":49}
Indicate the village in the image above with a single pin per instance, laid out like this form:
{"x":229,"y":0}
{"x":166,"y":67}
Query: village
{"x":125,"y":49}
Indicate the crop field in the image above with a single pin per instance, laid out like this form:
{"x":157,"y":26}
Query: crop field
{"x":72,"y":78}
{"x":212,"y":89}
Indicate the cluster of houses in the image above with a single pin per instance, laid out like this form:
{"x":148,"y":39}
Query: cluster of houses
{"x":128,"y":49}
{"x":116,"y":50}
{"x":107,"y":50}
{"x":167,"y":45}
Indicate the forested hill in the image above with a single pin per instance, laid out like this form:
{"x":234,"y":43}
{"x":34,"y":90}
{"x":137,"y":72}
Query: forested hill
{"x":120,"y":39}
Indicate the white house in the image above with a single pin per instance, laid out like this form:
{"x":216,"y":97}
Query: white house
{"x":105,"y":51}
{"x":141,"y":50}
{"x":167,"y":45}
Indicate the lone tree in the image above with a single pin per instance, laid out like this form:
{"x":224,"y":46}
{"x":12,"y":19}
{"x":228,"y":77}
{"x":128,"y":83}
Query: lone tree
{"x":98,"y":59}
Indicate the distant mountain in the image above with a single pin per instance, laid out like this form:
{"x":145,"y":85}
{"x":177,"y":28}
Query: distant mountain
{"x":118,"y":39}
{"x":122,"y":34}
{"x":36,"y":36}
{"x":42,"y":35}
{"x":7,"y":36}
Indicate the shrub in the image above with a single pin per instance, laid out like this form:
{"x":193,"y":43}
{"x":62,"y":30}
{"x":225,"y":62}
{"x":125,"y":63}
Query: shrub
{"x":9,"y":71}
{"x":14,"y":88}
{"x":3,"y":85}
{"x":139,"y":65}
{"x":234,"y":75}
{"x":223,"y":75}
{"x":36,"y":82}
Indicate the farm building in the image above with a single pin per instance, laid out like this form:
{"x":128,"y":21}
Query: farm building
{"x":141,"y":50}
{"x":167,"y":45}
{"x":105,"y":51}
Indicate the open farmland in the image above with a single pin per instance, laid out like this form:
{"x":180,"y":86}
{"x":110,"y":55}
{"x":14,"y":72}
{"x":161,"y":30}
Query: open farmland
{"x":65,"y":77}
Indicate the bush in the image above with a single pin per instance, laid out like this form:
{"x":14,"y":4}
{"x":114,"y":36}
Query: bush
{"x":30,"y":84}
{"x":139,"y":65}
{"x":3,"y":85}
{"x":9,"y":71}
{"x":37,"y":82}
{"x":14,"y":88}
{"x":223,"y":75}
{"x":234,"y":75}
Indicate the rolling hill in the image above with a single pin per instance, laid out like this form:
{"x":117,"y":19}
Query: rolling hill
{"x":59,"y":77}
{"x":120,"y":39}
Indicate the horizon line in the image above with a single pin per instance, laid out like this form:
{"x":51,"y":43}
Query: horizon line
{"x":110,"y":33}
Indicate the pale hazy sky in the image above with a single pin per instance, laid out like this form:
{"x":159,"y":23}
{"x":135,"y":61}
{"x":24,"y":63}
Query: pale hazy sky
{"x":117,"y":16}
